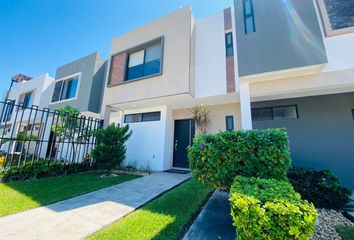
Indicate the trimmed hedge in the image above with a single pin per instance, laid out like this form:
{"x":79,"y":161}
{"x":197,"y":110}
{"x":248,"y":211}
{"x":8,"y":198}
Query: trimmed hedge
{"x":270,"y":209}
{"x":320,"y":187}
{"x":216,"y":159}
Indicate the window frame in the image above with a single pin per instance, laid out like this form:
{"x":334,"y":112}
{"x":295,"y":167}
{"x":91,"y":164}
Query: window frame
{"x":22,"y":96}
{"x":326,"y":22}
{"x":250,"y":15}
{"x":128,"y":51}
{"x":229,"y":45}
{"x":272,"y":112}
{"x":233,"y":123}
{"x":141,"y":117}
{"x":65,"y":79}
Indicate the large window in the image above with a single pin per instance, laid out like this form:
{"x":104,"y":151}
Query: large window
{"x":142,"y":117}
{"x":144,"y":62}
{"x":8,"y":110}
{"x":26,"y":99}
{"x":248,"y":16}
{"x":275,"y":113}
{"x":229,"y":123}
{"x":229,"y":45}
{"x":337,"y":16}
{"x":65,"y":89}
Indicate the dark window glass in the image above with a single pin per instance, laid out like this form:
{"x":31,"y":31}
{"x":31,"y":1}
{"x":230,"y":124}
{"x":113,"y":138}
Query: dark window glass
{"x":229,"y":123}
{"x":152,"y":116}
{"x":142,"y":117}
{"x":248,"y":15}
{"x":229,"y":45}
{"x":9,"y":108}
{"x":275,"y":113}
{"x":340,"y":13}
{"x":145,"y":62}
{"x":353,"y":113}
{"x":65,"y":89}
{"x":131,"y":118}
{"x":286,"y":112}
{"x":71,"y":87}
{"x":57,"y":91}
{"x":262,"y":114}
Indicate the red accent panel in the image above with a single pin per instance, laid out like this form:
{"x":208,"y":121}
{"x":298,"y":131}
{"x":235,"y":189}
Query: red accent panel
{"x":230,"y":74}
{"x":117,"y":70}
{"x":227,"y":19}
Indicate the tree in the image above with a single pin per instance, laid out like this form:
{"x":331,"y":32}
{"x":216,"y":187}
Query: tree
{"x":70,"y":129}
{"x":201,"y":118}
{"x":110,"y":152}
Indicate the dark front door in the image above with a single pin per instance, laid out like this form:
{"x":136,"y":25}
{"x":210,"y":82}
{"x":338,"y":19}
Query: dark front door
{"x":184,"y":134}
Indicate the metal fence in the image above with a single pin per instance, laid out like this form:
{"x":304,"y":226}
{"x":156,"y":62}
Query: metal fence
{"x":30,"y":135}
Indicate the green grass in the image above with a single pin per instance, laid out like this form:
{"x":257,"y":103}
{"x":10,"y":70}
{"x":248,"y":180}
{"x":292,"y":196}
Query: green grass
{"x":23,"y":195}
{"x":164,"y":218}
{"x":346,"y":232}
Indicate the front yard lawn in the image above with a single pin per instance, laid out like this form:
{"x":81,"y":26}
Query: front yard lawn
{"x":24,"y":195}
{"x":164,"y":218}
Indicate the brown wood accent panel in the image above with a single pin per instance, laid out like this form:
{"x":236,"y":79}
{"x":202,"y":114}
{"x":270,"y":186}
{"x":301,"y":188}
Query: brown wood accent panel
{"x":117,"y":71}
{"x":230,"y":74}
{"x":227,"y":19}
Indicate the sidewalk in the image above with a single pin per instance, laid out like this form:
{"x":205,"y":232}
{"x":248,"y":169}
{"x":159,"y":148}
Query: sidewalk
{"x":214,"y":222}
{"x":79,"y":217}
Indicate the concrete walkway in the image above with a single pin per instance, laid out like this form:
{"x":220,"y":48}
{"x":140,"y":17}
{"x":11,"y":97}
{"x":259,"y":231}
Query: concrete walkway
{"x":79,"y":217}
{"x":214,"y":221}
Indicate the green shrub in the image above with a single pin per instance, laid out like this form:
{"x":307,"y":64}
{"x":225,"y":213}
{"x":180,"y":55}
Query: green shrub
{"x":270,"y":209}
{"x":320,"y":187}
{"x":110,"y":152}
{"x":217,"y":159}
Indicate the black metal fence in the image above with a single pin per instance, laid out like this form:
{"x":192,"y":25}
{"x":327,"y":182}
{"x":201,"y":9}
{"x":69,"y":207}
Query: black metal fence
{"x":30,"y":137}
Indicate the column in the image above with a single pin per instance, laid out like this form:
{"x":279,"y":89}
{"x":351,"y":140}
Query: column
{"x":245,"y":103}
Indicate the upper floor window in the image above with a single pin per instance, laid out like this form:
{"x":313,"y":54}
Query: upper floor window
{"x":337,"y":16}
{"x":26,"y":99}
{"x":353,"y":113}
{"x":65,"y":89}
{"x":275,"y":113}
{"x":248,"y":16}
{"x":229,"y":123}
{"x":229,"y":45}
{"x":8,"y":109}
{"x":144,"y":62}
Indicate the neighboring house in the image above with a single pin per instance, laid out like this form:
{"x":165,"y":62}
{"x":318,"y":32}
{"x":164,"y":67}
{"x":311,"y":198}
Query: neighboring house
{"x":25,"y":92}
{"x":80,"y":85}
{"x":267,"y":64}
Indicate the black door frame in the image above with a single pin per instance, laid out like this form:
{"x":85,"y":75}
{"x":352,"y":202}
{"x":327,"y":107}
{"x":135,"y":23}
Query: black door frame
{"x":191,"y":136}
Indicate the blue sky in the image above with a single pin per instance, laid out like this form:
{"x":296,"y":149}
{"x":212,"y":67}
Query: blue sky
{"x":37,"y":36}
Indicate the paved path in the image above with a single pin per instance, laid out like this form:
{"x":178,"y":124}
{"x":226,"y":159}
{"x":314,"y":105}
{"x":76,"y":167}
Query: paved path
{"x":81,"y":216}
{"x":214,"y":222}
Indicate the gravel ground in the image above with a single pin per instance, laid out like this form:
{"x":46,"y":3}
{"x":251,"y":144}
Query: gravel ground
{"x":327,"y":219}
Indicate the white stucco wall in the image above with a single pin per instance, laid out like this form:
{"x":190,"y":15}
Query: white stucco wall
{"x":210,"y":66}
{"x":148,"y":147}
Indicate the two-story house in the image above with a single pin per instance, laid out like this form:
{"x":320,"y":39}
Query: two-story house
{"x":264,"y":64}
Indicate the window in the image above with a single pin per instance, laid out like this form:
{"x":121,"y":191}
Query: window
{"x":8,"y":110}
{"x":145,"y":62}
{"x":142,"y":117}
{"x":353,"y":113}
{"x":26,"y":99}
{"x":229,"y":44}
{"x":337,"y":16}
{"x":229,"y":123}
{"x":248,"y":17}
{"x":275,"y":113}
{"x":65,"y":89}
